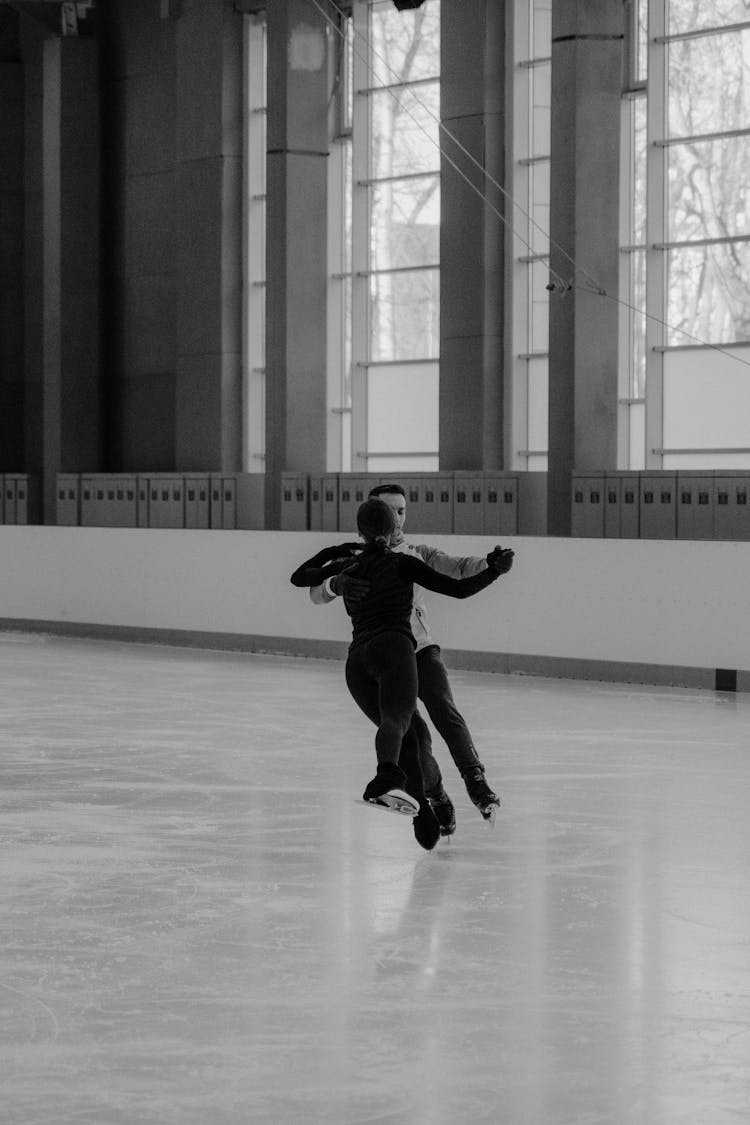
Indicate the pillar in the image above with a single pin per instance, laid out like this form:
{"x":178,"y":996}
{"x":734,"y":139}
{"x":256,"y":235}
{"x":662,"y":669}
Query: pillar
{"x":11,"y":267}
{"x":587,"y":76}
{"x":71,"y":346}
{"x":208,"y":234}
{"x":472,"y":235}
{"x":296,"y":272}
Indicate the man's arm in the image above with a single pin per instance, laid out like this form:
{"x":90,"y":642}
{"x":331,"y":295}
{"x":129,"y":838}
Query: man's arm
{"x":414,"y":570}
{"x":452,"y":565}
{"x":323,"y":594}
{"x":338,"y":585}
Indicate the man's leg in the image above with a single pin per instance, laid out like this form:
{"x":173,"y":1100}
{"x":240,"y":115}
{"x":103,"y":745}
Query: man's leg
{"x":430,"y":770}
{"x":435,"y":693}
{"x":441,"y":803}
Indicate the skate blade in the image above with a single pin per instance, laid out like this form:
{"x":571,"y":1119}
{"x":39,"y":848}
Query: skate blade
{"x":489,"y":816}
{"x":395,"y":800}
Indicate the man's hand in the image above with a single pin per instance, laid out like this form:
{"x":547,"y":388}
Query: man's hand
{"x":347,"y":586}
{"x":500,"y":559}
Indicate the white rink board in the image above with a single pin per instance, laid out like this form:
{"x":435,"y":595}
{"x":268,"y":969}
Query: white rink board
{"x":644,"y":601}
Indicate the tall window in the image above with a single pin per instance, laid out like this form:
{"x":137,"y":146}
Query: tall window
{"x":530,"y":178}
{"x":254,"y":257}
{"x":685,"y":388}
{"x":384,"y":242}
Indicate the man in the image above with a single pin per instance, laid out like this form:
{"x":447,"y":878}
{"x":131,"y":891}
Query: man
{"x":434,"y":688}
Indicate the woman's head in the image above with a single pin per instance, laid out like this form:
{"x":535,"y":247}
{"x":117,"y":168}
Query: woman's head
{"x":376,"y":522}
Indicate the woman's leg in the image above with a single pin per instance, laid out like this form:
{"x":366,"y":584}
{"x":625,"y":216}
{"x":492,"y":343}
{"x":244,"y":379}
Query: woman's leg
{"x":381,"y":677}
{"x":363,"y":683}
{"x":433,"y":781}
{"x":363,"y":686}
{"x":394,"y":665}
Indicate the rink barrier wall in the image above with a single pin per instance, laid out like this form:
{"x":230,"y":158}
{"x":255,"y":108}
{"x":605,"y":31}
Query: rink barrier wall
{"x":640,"y":611}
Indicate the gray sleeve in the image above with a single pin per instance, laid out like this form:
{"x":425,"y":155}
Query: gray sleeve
{"x":455,"y":566}
{"x":322,"y":594}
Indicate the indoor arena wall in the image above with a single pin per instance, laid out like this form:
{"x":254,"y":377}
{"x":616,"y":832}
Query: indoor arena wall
{"x":642,"y":611}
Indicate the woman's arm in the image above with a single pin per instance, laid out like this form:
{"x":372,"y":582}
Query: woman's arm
{"x":318,"y":568}
{"x":414,"y":570}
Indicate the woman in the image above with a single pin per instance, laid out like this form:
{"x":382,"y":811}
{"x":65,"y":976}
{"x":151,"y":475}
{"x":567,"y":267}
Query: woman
{"x":381,"y":668}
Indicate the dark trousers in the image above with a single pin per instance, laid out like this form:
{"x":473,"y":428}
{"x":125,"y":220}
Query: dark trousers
{"x":382,"y":678}
{"x":435,"y":692}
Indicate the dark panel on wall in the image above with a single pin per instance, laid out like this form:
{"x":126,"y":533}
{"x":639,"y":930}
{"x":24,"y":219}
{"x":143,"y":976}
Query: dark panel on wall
{"x":11,"y":252}
{"x":71,"y":261}
{"x":139,"y":109}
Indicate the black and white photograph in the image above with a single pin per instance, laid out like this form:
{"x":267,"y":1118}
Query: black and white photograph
{"x":375,"y":540}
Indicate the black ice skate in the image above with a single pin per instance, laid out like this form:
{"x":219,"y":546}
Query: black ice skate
{"x":386,"y":791}
{"x":442,"y":806}
{"x":480,"y":794}
{"x":426,"y":827}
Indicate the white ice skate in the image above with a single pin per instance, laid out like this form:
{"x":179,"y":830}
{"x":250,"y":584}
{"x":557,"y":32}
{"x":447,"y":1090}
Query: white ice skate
{"x":395,"y":800}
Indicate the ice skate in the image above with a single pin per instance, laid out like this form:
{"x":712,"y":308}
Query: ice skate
{"x":386,"y":791}
{"x":442,"y":806}
{"x":481,"y":795}
{"x":426,"y":827}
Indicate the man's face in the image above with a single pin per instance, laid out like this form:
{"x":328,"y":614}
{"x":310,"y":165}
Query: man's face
{"x":397,"y":503}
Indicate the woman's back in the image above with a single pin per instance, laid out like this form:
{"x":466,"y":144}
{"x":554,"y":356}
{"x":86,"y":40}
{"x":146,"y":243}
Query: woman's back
{"x":387,"y":606}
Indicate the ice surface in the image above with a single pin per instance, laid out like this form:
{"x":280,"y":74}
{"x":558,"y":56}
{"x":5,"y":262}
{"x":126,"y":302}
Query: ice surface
{"x":201,"y":927}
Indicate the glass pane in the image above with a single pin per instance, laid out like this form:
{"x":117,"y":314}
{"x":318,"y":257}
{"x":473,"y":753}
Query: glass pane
{"x":708,"y":293}
{"x":348,"y":73}
{"x":346,"y":443}
{"x":402,"y":411}
{"x":709,"y":195}
{"x":405,"y":45}
{"x":542,"y":29}
{"x":405,"y":131}
{"x":641,"y":62}
{"x":706,"y":461}
{"x":403,"y":464}
{"x":637,"y":435}
{"x":347,"y":193}
{"x":706,"y":400}
{"x":347,"y":373}
{"x":692,"y":15}
{"x":638,"y":233}
{"x":538,"y":405}
{"x":541,"y":79}
{"x":405,"y":223}
{"x":539,"y":308}
{"x":539,"y":232}
{"x":404,"y":315}
{"x":636,"y":315}
{"x":709,"y":84}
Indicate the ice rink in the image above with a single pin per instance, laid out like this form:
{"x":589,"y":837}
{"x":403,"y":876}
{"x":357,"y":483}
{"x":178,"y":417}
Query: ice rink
{"x":201,"y":927}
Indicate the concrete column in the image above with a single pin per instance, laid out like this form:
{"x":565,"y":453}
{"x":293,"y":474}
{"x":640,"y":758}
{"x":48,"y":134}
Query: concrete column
{"x":587,"y":76}
{"x":32,"y":34}
{"x":72,"y":423}
{"x":11,"y":267}
{"x":208,"y":234}
{"x":298,"y":94}
{"x":472,"y":236}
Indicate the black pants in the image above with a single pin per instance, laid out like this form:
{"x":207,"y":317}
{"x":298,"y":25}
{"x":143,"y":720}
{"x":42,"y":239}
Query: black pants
{"x":382,"y":678}
{"x":435,"y":692}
